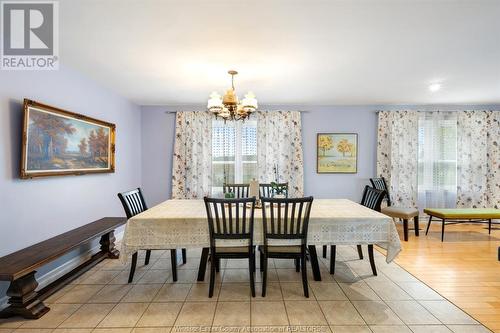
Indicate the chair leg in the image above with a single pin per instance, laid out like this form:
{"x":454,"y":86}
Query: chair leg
{"x":428,"y":225}
{"x":442,"y":230}
{"x":489,"y":226}
{"x":333,"y":255}
{"x":203,"y":264}
{"x":264,"y":274}
{"x":314,"y":263}
{"x":148,"y":256}
{"x":304,"y":274}
{"x":324,"y":251}
{"x":405,"y":229}
{"x":416,"y":225}
{"x":184,"y":256}
{"x":251,"y":263}
{"x":261,"y":262}
{"x":372,"y":259}
{"x":173,"y":260}
{"x":360,"y":252}
{"x":132,"y":268}
{"x":297,"y":265}
{"x":217,"y":265}
{"x":213,"y":263}
{"x":254,"y":259}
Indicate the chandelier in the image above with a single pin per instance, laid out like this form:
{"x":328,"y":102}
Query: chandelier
{"x":228,"y":106}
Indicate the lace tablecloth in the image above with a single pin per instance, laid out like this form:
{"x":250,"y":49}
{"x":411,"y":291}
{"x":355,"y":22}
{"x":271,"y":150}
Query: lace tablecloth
{"x":183,"y":224}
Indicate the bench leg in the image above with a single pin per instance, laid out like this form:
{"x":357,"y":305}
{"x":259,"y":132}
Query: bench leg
{"x":333,"y":254}
{"x":442,"y":230}
{"x":428,"y":225}
{"x":203,"y":264}
{"x":405,"y":229}
{"x":173,"y":260}
{"x":360,"y":252}
{"x":132,"y":268}
{"x":314,"y":263}
{"x":108,"y":245}
{"x":489,"y":226}
{"x":372,"y":259}
{"x":184,"y":256}
{"x":417,"y":227}
{"x":23,"y":299}
{"x":324,"y":251}
{"x":148,"y":256}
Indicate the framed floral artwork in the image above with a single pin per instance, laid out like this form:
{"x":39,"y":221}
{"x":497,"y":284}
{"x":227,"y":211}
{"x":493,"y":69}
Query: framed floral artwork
{"x":337,"y":153}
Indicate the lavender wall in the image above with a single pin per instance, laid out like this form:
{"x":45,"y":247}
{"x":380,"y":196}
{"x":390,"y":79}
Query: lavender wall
{"x":158,"y":137}
{"x":34,"y":210}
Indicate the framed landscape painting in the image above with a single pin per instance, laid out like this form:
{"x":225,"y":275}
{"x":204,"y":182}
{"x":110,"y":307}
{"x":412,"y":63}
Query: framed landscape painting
{"x":58,"y":142}
{"x":337,"y":153}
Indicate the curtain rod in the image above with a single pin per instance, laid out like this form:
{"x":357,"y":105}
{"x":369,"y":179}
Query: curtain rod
{"x":173,"y":112}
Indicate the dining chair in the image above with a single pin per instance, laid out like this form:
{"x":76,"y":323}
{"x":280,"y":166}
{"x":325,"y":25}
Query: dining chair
{"x":231,"y":220}
{"x":134,"y":203}
{"x":372,"y":198}
{"x":285,"y":234}
{"x":266,"y":190}
{"x":239,"y":190}
{"x":401,"y":213}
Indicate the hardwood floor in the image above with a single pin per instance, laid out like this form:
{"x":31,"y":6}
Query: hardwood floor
{"x":464,"y":268}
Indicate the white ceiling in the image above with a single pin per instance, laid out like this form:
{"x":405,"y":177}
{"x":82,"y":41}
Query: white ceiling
{"x":288,"y":51}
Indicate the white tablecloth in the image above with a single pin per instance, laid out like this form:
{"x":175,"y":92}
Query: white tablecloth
{"x":183,"y":224}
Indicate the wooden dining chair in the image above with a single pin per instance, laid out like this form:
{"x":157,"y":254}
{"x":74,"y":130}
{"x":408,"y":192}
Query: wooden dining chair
{"x":266,"y":190}
{"x":288,"y":221}
{"x":231,"y":220}
{"x":239,"y":190}
{"x":134,"y":203}
{"x":402,"y":213}
{"x":372,"y":198}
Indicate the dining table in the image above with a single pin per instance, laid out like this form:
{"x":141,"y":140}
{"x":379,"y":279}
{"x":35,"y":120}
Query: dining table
{"x":182,"y":223}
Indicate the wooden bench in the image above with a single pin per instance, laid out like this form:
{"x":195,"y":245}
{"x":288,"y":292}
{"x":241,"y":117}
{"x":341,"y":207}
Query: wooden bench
{"x":20,"y":267}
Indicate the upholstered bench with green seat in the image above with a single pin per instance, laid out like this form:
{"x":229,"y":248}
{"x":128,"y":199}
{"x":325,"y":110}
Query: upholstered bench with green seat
{"x":459,"y":215}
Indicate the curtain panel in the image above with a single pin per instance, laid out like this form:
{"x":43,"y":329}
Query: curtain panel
{"x":279,"y":149}
{"x":192,"y":160}
{"x":478,"y":154}
{"x":397,"y":159}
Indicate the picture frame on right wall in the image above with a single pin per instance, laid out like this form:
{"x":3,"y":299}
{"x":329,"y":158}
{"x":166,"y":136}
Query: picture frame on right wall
{"x":337,"y":153}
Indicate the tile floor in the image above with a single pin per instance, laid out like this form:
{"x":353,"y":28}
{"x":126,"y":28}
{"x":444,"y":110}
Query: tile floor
{"x":352,"y":300}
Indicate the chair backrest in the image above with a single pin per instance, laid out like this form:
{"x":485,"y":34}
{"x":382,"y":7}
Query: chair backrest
{"x":239,"y":190}
{"x":381,"y":184}
{"x":230,"y":218}
{"x":286,"y":218}
{"x":372,"y":198}
{"x":133,"y":202}
{"x":266,"y":190}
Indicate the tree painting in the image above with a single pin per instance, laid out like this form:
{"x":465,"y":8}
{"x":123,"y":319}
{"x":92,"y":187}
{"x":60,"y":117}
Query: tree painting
{"x":57,"y":142}
{"x":337,"y":153}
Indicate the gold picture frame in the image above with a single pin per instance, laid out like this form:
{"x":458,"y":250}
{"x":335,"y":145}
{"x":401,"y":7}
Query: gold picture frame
{"x":57,"y":142}
{"x":337,"y":153}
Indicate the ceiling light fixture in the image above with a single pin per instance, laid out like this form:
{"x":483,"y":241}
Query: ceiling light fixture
{"x":228,"y":107}
{"x":435,"y":87}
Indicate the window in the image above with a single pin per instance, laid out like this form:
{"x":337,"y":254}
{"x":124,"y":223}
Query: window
{"x":234,"y":153}
{"x":437,"y":159}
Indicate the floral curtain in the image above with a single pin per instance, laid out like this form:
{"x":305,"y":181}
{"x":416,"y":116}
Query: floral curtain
{"x":192,"y":160}
{"x":279,"y":149}
{"x":478,"y":153}
{"x":397,"y":154}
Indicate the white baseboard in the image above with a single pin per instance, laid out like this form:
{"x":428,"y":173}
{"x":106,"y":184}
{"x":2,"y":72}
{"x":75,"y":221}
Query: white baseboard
{"x":63,"y":269}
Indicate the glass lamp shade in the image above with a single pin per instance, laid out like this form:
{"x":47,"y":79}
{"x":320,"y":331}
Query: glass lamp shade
{"x":224,"y":113}
{"x":215,"y":103}
{"x":249,"y":103}
{"x":230,"y":98}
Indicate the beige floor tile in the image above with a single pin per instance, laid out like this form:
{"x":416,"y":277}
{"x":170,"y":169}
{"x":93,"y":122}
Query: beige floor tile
{"x":448,"y":313}
{"x":155,"y":276}
{"x":124,"y":315}
{"x":350,"y":329}
{"x":172,"y":292}
{"x":33,"y":330}
{"x":359,"y":291}
{"x":235,"y":292}
{"x":113,"y":330}
{"x":420,"y":291}
{"x":199,"y":292}
{"x":58,"y":294}
{"x":110,"y":293}
{"x":273,"y":292}
{"x":294,"y":291}
{"x":304,"y":313}
{"x":271,"y":329}
{"x":232,"y":314}
{"x":6,"y":330}
{"x":468,"y":329}
{"x":114,"y":265}
{"x":152,"y":330}
{"x":236,"y":275}
{"x":162,"y":263}
{"x":100,"y":277}
{"x":390,"y":329}
{"x":268,"y":313}
{"x":340,"y":313}
{"x":272,"y":276}
{"x":12,"y":322}
{"x":412,"y":313}
{"x":160,"y":314}
{"x":376,"y":313}
{"x":142,"y":293}
{"x":79,"y":294}
{"x":186,"y":276}
{"x":429,"y":329}
{"x":122,"y":277}
{"x":238,"y":263}
{"x":389,"y":291}
{"x":88,"y":316}
{"x":196,"y":313}
{"x":327,"y":291}
{"x":72,"y":330}
{"x":288,"y":275}
{"x":52,"y":319}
